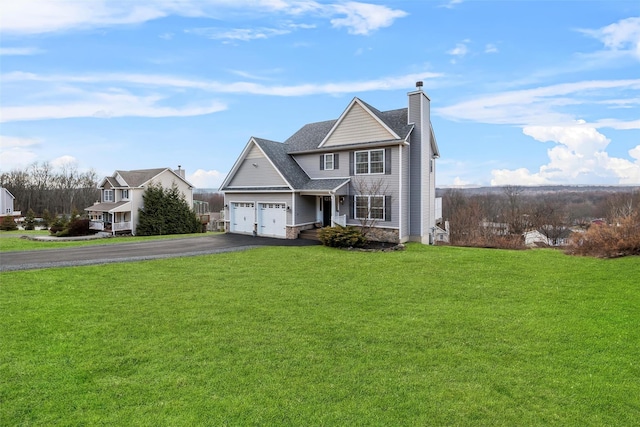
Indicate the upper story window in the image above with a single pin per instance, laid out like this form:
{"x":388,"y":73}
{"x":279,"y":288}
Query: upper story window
{"x":108,"y":195}
{"x":124,"y":195}
{"x":369,"y":162}
{"x":328,"y":161}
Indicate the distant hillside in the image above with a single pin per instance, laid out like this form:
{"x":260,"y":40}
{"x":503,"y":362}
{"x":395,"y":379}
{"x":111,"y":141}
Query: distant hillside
{"x":542,"y":189}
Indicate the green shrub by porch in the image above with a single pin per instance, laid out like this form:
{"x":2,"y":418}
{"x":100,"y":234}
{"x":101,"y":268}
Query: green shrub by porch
{"x":342,"y":237}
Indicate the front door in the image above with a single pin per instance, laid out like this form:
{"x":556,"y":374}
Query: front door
{"x":326,"y":211}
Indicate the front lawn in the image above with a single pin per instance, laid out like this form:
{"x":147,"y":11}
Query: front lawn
{"x":13,"y":241}
{"x":318,"y":336}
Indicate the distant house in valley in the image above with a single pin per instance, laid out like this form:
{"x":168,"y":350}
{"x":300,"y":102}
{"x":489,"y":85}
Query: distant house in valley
{"x":121,"y":197}
{"x":365,"y":166}
{"x":536,"y":237}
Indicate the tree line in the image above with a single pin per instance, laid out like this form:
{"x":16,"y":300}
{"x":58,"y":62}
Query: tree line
{"x":40,"y":187}
{"x":499,"y":219}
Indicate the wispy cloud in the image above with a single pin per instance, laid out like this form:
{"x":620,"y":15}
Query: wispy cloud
{"x":543,"y":105}
{"x":44,"y":16}
{"x":490,"y":48}
{"x":451,"y":4}
{"x":142,"y":95}
{"x":239,"y":34}
{"x":19,"y":51}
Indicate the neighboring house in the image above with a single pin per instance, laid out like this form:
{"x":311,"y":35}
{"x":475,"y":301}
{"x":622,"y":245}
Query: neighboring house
{"x":533,"y":237}
{"x":367,"y":165}
{"x":6,"y":203}
{"x":121,"y":197}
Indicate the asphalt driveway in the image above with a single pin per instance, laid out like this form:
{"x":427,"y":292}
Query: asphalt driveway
{"x":126,"y":252}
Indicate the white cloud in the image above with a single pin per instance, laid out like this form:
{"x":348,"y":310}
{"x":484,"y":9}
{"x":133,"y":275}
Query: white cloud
{"x":19,"y":51}
{"x":365,"y":18}
{"x":460,"y":50}
{"x":490,"y":48}
{"x":139,"y":95}
{"x":44,"y":16}
{"x":542,"y":105}
{"x":206,"y":179}
{"x":105,"y":105}
{"x":64,"y":161}
{"x":578,"y":156}
{"x":451,"y":4}
{"x":622,"y":36}
{"x":17,"y":153}
{"x":241,"y":34}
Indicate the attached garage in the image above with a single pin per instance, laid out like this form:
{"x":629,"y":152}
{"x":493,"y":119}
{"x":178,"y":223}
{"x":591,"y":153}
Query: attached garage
{"x":243,"y":217}
{"x":272,"y":220}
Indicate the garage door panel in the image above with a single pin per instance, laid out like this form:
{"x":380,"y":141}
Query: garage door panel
{"x":272,"y":219}
{"x":242,"y":217}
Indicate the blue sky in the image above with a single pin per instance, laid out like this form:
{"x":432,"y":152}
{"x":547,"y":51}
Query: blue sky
{"x":522,"y":92}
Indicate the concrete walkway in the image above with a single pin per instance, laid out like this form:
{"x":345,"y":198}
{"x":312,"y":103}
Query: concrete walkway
{"x":138,"y":251}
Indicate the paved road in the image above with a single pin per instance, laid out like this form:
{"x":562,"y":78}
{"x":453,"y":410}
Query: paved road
{"x":125,"y":252}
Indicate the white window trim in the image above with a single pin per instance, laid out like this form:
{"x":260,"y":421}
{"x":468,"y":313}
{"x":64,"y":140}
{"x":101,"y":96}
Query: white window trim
{"x":109,"y":196}
{"x":125,"y":194}
{"x":355,"y":207}
{"x":368,"y":172}
{"x":325,"y":157}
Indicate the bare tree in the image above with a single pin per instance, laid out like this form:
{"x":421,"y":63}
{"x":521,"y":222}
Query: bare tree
{"x":372,"y":202}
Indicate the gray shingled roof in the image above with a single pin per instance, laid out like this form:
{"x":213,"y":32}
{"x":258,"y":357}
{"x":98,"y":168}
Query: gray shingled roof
{"x":309,"y":137}
{"x":277,"y":153}
{"x":136,"y":178}
{"x":324,"y":184}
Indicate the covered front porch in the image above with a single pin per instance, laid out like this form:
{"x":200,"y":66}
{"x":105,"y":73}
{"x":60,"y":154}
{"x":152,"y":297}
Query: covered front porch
{"x":111,"y":217}
{"x":331,"y":201}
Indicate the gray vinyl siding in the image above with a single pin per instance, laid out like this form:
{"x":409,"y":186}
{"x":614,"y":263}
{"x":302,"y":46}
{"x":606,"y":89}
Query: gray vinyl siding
{"x":392,"y":186}
{"x":358,"y":126}
{"x":306,"y":209}
{"x":263,"y":174}
{"x":406,"y":182}
{"x":310,"y":163}
{"x":415,"y":202}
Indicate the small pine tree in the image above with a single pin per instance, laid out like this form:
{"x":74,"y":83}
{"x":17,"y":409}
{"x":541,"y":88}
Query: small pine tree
{"x":166,"y":211}
{"x":8,"y":224}
{"x":58,"y":225}
{"x":30,"y":220}
{"x":46,"y":218}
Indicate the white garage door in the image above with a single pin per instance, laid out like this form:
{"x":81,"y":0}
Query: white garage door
{"x":243,"y":217}
{"x":272,"y":219}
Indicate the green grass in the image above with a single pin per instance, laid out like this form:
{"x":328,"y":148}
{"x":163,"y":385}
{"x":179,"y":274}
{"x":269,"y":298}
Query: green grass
{"x":12,"y":241}
{"x":317,"y":336}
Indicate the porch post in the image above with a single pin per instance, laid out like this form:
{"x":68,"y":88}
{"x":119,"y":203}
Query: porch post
{"x":333,"y":209}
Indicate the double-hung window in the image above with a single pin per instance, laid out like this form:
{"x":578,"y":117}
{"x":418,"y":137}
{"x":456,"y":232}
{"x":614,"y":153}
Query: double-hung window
{"x":108,"y":195}
{"x":124,"y":194}
{"x":369,"y":207}
{"x":369,"y":162}
{"x":328,"y":161}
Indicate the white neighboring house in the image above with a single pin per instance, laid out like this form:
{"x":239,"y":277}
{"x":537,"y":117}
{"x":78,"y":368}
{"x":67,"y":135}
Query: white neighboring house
{"x":121,"y":197}
{"x":6,"y":203}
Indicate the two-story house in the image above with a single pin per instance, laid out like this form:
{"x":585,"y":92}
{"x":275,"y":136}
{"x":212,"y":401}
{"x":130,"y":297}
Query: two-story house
{"x":121,"y":195}
{"x":366,"y":166}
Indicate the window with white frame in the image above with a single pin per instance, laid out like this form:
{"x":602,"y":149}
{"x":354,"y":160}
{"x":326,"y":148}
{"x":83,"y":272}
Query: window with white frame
{"x":328,"y":161}
{"x":108,"y":196}
{"x":369,"y":207}
{"x":124,"y":195}
{"x":369,"y":162}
